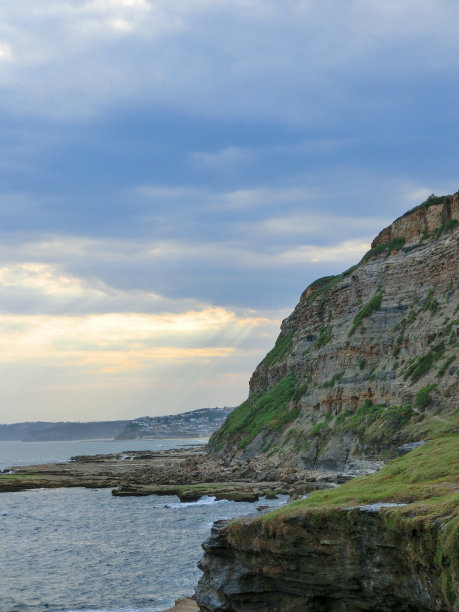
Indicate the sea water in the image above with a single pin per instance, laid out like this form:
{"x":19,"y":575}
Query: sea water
{"x":32,"y":453}
{"x":84,"y":550}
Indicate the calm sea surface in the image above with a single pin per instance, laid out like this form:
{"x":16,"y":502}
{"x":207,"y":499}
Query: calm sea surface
{"x":84,"y":550}
{"x":31,"y":453}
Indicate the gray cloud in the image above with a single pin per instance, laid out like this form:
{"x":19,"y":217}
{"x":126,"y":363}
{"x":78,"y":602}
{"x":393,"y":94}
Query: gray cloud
{"x":76,"y":58}
{"x":175,"y":173}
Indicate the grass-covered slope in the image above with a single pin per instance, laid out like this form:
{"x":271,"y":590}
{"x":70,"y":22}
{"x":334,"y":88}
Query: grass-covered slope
{"x":425,"y":479}
{"x":421,"y":527}
{"x":271,"y":410}
{"x":367,"y":360}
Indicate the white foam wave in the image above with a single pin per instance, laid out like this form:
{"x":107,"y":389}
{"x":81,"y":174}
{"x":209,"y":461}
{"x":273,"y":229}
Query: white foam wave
{"x":203,"y":501}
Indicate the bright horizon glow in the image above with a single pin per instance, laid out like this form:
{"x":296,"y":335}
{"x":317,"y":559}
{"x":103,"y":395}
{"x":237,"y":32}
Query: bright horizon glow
{"x":174,"y":174}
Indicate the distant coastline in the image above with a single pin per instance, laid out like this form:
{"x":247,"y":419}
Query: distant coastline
{"x":199,"y":423}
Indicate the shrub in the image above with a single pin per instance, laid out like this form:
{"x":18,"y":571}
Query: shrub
{"x":300,"y":391}
{"x":367,"y":311}
{"x":376,"y":421}
{"x":431,"y":201}
{"x":324,"y":337}
{"x":333,"y":380}
{"x":385,"y":247}
{"x":423,"y":364}
{"x":281,"y":349}
{"x":324,"y":284}
{"x":431,"y":303}
{"x":342,"y":416}
{"x":317,"y":429}
{"x":423,"y":398}
{"x":445,"y":366}
{"x":446,"y":227}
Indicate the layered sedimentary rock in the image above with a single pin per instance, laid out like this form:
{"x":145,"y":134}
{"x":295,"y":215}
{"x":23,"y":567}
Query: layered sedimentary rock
{"x":384,"y":542}
{"x":364,"y":364}
{"x":348,"y":563}
{"x":367,"y":360}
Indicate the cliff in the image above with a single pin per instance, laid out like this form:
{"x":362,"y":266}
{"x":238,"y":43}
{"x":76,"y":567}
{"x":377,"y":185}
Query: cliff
{"x":364,"y":364}
{"x":385,"y":542}
{"x":367,"y":360}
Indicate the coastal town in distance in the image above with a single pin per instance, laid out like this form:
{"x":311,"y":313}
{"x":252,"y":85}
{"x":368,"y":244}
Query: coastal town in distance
{"x":200,"y":423}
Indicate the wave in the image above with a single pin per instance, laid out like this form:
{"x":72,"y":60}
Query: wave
{"x":203,"y":501}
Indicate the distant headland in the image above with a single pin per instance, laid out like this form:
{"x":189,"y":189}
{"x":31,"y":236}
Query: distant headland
{"x":195,"y":423}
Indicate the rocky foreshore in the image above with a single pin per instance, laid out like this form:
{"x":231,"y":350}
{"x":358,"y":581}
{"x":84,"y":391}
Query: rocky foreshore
{"x":188,"y":473}
{"x":386,"y":542}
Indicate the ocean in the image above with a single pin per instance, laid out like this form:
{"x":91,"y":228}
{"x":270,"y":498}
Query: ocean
{"x":31,"y":453}
{"x":83,"y":550}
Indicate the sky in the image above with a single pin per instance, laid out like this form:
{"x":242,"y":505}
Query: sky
{"x":174,"y":173}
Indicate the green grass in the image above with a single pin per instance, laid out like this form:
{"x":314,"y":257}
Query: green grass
{"x":318,"y":428}
{"x":445,"y":365}
{"x":342,"y":416}
{"x":384,"y":248}
{"x":422,"y":365}
{"x":367,"y":311}
{"x":432,"y":200}
{"x":324,"y":337}
{"x":282,"y":347}
{"x":423,"y":398}
{"x":300,"y":391}
{"x":333,"y":380}
{"x":446,"y":227}
{"x":322,"y":286}
{"x":375,"y":422}
{"x":19,"y":476}
{"x":270,"y":409}
{"x":431,"y":303}
{"x":427,"y":479}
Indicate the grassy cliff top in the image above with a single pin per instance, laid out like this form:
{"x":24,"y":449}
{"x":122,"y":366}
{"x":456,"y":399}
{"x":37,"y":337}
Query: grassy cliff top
{"x":426,"y":480}
{"x":425,"y":484}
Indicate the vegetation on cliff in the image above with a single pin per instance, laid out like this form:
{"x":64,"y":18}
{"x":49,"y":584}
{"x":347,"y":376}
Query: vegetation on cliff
{"x":366,"y":362}
{"x":270,"y":410}
{"x":414,"y":502}
{"x":368,"y":358}
{"x":426,"y":480}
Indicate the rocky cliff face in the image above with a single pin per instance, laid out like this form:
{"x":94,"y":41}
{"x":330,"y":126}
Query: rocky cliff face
{"x":384,"y":542}
{"x":367,"y":360}
{"x":360,"y":566}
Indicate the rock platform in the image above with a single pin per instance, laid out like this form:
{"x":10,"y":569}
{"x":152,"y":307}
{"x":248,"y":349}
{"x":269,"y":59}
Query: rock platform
{"x":188,"y":473}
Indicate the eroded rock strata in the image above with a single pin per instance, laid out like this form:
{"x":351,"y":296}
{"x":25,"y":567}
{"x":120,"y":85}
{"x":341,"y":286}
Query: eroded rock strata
{"x":358,"y":565}
{"x":367,"y":360}
{"x":365,"y":364}
{"x":384,"y":542}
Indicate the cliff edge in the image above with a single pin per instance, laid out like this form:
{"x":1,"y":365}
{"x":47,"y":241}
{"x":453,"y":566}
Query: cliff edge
{"x":364,"y":368}
{"x":367,"y":361}
{"x":385,"y":542}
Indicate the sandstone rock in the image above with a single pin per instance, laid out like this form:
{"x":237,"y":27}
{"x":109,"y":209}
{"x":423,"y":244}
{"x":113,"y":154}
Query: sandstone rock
{"x":343,"y":360}
{"x":352,"y":562}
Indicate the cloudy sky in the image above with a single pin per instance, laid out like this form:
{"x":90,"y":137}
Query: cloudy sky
{"x":173,"y":173}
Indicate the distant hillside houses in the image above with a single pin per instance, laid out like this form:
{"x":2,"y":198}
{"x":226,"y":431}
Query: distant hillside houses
{"x":196,"y":423}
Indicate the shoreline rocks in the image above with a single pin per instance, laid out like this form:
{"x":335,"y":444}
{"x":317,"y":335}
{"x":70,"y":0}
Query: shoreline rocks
{"x":188,"y":473}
